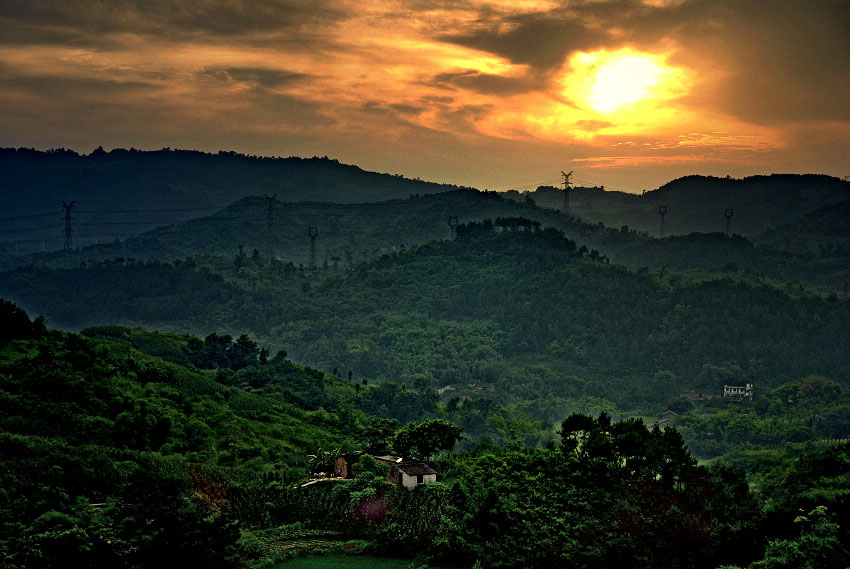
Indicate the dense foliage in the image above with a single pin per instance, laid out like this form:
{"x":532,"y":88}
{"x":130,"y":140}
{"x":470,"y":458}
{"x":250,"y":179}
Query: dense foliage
{"x":507,"y":316}
{"x":112,"y":458}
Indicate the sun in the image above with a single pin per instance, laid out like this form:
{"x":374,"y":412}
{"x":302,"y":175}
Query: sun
{"x":608,"y":82}
{"x":624,"y":81}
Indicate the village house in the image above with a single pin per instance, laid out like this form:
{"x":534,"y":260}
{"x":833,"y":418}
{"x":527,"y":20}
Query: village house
{"x":728,"y":391}
{"x":745,"y":392}
{"x":408,"y":474}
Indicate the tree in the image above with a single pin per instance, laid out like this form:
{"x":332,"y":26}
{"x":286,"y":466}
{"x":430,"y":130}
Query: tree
{"x":818,"y":547}
{"x":378,"y":435}
{"x":422,"y":440}
{"x":243,"y":352}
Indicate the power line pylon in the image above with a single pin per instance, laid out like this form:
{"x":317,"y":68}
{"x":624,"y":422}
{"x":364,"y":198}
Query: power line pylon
{"x":312,"y":233}
{"x":729,"y":212}
{"x":453,"y":225}
{"x":270,"y":226}
{"x":67,"y":229}
{"x":662,"y":210}
{"x":567,"y":188}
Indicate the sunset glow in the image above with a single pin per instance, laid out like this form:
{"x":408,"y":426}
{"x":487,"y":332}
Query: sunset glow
{"x":442,"y":91}
{"x":618,"y":80}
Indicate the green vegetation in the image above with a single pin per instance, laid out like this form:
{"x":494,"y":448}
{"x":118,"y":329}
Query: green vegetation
{"x":540,"y":326}
{"x":115,"y":458}
{"x":177,"y":427}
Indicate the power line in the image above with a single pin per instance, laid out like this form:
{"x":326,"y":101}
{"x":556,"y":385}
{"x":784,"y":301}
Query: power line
{"x":14,"y":231}
{"x":146,"y":210}
{"x":32,"y":216}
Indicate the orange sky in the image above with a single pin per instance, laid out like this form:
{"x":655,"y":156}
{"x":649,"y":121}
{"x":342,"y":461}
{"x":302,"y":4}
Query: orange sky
{"x":489,"y":93}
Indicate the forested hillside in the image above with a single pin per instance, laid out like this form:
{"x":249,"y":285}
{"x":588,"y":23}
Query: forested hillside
{"x":116,"y":458}
{"x":125,"y":192}
{"x":343,"y":230}
{"x":544,"y":326}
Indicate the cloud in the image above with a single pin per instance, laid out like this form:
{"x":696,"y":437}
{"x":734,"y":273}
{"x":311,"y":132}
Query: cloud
{"x":423,"y":79}
{"x":169,"y":17}
{"x":487,"y":83}
{"x":769,"y":63}
{"x":257,"y":76}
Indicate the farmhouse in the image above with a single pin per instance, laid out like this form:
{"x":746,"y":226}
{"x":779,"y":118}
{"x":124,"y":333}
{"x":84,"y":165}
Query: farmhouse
{"x":728,"y":391}
{"x":408,"y":474}
{"x":745,"y":392}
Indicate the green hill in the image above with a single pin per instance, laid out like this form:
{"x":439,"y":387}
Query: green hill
{"x":344,"y":230}
{"x":548,"y":326}
{"x":825,"y":231}
{"x":125,"y":192}
{"x":110,"y":454}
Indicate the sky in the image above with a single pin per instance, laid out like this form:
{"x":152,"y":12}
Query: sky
{"x":494,"y":94}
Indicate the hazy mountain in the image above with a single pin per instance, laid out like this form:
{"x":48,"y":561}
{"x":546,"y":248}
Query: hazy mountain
{"x":699,"y":203}
{"x":126,"y":192}
{"x":342,"y":229}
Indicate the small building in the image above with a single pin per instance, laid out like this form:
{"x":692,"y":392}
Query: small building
{"x":412,"y":474}
{"x":344,"y":463}
{"x":408,"y":474}
{"x":664,"y":421}
{"x":738,"y":392}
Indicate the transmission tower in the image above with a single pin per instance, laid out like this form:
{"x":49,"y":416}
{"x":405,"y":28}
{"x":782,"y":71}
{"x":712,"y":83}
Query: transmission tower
{"x":453,"y":225}
{"x":270,"y":225}
{"x":662,"y":210}
{"x":567,"y":185}
{"x":729,"y":212}
{"x":312,"y":233}
{"x":67,"y":229}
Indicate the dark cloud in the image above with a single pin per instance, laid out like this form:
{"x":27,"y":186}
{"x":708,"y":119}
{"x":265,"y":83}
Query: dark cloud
{"x":786,"y":62}
{"x":374,"y":107}
{"x":169,"y":17}
{"x":466,"y":113}
{"x":63,"y":89}
{"x":258,"y":76}
{"x":484,"y":82}
{"x":540,"y":40}
{"x":406,"y":109}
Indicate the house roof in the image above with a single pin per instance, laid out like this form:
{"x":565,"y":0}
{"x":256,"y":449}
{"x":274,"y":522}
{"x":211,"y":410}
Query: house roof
{"x":388,"y":458}
{"x":416,"y":468}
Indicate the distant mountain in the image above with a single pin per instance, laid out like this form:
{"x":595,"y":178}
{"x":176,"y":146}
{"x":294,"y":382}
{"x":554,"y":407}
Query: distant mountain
{"x":699,"y":203}
{"x":126,"y":192}
{"x":343,"y":230}
{"x":825,"y":230}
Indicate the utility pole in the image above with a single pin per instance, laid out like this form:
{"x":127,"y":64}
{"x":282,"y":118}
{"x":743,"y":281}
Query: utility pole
{"x":68,"y":230}
{"x":567,"y":185}
{"x":662,"y":210}
{"x":729,"y":212}
{"x":453,"y":225}
{"x":270,"y":226}
{"x":312,"y":233}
